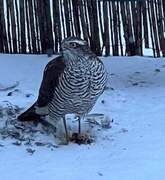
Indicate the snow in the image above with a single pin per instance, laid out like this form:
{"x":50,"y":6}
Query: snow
{"x":132,"y":149}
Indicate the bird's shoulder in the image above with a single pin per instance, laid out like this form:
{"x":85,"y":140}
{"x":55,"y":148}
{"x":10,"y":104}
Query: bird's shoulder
{"x":55,"y":64}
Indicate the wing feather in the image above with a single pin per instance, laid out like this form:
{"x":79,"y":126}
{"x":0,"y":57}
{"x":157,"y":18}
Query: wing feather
{"x":50,"y":80}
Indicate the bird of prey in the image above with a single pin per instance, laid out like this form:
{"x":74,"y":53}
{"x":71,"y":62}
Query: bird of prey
{"x":72,"y":82}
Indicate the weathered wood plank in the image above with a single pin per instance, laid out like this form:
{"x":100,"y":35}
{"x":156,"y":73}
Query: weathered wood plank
{"x":32,"y":27}
{"x":57,"y":25}
{"x":22,"y":24}
{"x":106,"y":29}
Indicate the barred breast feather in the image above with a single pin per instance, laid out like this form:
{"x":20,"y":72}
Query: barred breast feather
{"x":79,"y":86}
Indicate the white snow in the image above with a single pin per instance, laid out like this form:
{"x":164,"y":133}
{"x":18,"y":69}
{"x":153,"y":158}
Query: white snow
{"x":132,"y":149}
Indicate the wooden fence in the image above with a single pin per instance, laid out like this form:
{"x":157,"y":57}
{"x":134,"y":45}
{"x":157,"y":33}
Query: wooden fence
{"x":110,"y":27}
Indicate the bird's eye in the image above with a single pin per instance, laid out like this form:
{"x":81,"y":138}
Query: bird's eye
{"x":73,"y":44}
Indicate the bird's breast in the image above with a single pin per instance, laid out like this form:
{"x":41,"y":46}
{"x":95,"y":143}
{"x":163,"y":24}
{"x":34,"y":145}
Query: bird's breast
{"x":79,"y":87}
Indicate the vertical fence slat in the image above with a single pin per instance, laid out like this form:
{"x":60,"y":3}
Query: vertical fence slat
{"x":32,"y":27}
{"x":36,"y":24}
{"x":71,"y":17}
{"x":160,"y":27}
{"x":94,"y":29}
{"x":115,"y":29}
{"x":96,"y":36}
{"x":18,"y":26}
{"x":101,"y":24}
{"x":76,"y":17}
{"x":9,"y":26}
{"x":106,"y":29}
{"x":111,"y":27}
{"x":13,"y":25}
{"x":139,"y":30}
{"x":22,"y":23}
{"x":1,"y":27}
{"x":119,"y":27}
{"x":151,"y":29}
{"x":145,"y":24}
{"x":154,"y":27}
{"x":57,"y":26}
{"x":86,"y":17}
{"x":62,"y":19}
{"x":84,"y":25}
{"x":131,"y":23}
{"x":125,"y":27}
{"x":67,"y":20}
{"x":48,"y":30}
{"x":41,"y":23}
{"x":28,"y":27}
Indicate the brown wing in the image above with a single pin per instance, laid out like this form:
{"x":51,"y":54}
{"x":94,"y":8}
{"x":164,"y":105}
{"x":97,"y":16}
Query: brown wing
{"x":50,"y":80}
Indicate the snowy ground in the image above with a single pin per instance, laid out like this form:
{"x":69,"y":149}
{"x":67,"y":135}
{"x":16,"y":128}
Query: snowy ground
{"x":132,"y":149}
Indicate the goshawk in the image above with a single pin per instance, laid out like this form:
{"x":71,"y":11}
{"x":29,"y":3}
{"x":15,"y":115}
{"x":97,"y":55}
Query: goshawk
{"x":72,"y":82}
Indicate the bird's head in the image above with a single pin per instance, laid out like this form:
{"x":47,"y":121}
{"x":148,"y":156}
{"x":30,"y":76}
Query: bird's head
{"x":75,"y":46}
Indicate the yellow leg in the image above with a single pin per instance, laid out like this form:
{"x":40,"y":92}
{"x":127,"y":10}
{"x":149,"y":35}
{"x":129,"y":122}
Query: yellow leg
{"x":79,"y":125}
{"x":66,"y":131}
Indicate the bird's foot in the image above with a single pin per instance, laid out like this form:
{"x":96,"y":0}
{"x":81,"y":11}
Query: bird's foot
{"x":81,"y":139}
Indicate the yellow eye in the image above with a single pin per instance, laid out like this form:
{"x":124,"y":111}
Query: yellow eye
{"x":73,"y":44}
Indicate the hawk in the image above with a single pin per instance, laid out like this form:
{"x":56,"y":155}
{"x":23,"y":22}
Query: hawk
{"x":72,"y":82}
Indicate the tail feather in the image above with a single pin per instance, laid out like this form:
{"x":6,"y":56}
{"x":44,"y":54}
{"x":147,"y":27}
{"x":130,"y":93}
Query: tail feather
{"x":29,"y":115}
